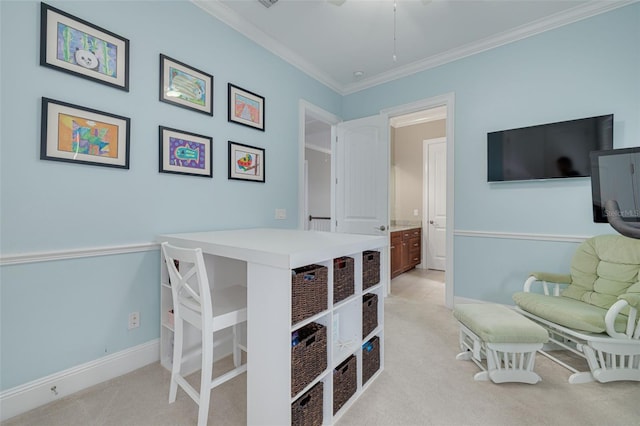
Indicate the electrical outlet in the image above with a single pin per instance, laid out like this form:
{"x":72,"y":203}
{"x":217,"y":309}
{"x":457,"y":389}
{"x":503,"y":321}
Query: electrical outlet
{"x":134,"y":320}
{"x":281,"y":214}
{"x":415,"y":212}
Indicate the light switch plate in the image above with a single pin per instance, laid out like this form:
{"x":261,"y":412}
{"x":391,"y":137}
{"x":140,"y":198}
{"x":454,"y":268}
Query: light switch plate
{"x":281,"y":214}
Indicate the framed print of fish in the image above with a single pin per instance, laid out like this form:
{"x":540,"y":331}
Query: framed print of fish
{"x":184,"y":86}
{"x":185,"y":153}
{"x":77,"y":47}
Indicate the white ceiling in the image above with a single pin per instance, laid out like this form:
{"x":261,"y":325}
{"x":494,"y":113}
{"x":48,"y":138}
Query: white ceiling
{"x":331,"y":42}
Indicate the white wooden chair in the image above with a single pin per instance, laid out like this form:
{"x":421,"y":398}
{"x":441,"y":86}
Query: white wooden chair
{"x":209,"y":310}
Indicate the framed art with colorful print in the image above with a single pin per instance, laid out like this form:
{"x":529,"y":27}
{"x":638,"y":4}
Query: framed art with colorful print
{"x":76,"y":134}
{"x":77,"y":47}
{"x":185,"y":153}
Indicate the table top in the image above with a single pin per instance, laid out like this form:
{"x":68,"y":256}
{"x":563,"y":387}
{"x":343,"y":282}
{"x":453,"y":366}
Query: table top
{"x":282,"y":248}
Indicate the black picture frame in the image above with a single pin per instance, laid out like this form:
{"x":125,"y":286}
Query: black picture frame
{"x":76,"y":134}
{"x":197,"y":153}
{"x":104,"y":57}
{"x":185,"y":86}
{"x":252,"y":168}
{"x":241,"y":105}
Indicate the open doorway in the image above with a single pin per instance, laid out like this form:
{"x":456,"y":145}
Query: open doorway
{"x":317,"y":159}
{"x":316,"y":191}
{"x":418,"y":191}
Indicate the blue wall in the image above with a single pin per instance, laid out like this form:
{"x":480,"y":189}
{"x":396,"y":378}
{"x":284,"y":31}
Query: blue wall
{"x":55,"y":315}
{"x":588,"y":68}
{"x":59,"y":314}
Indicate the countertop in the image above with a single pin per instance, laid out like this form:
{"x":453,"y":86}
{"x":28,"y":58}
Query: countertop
{"x":398,"y":228}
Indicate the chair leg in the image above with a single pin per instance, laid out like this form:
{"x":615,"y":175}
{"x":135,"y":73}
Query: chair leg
{"x":178,"y":330}
{"x":237,"y":353}
{"x":206,"y":377}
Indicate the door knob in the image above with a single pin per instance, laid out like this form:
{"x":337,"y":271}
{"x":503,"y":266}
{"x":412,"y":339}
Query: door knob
{"x":381,"y":228}
{"x":431,"y":222}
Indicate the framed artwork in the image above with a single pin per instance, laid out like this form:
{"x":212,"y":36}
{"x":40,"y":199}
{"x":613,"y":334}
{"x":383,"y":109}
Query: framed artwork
{"x":82,"y":135}
{"x":75,"y":46}
{"x":246,"y":108}
{"x":185,"y":86}
{"x":246,"y":162}
{"x":185,"y":153}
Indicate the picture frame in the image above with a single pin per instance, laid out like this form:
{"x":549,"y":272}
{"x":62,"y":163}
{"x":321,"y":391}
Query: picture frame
{"x":246,"y":108}
{"x":185,"y":86}
{"x":76,"y":134}
{"x":185,"y":153}
{"x":246,"y":162}
{"x":75,"y":46}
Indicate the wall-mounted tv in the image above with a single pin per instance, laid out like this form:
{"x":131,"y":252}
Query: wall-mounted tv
{"x":615,"y":175}
{"x":556,"y":150}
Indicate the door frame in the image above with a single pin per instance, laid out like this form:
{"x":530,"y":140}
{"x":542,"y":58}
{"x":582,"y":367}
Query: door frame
{"x":307,"y":108}
{"x":448,"y":100}
{"x":425,"y":193}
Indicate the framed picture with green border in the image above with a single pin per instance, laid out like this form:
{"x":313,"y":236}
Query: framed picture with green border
{"x":75,"y":46}
{"x":184,"y":86}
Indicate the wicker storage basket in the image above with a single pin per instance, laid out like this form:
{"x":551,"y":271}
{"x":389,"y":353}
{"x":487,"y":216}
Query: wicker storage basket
{"x":307,"y":410}
{"x":345,"y":382}
{"x":342,"y":278}
{"x":308,"y":355}
{"x":370,"y":268}
{"x":308,"y":292}
{"x":370,"y":358}
{"x":369,"y":313}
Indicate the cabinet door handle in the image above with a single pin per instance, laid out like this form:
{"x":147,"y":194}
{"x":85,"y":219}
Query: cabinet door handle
{"x":392,"y":247}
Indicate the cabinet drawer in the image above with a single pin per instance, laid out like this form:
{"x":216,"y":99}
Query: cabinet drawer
{"x":414,"y":244}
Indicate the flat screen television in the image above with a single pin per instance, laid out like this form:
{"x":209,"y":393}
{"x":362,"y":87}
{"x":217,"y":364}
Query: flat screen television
{"x":547,"y":151}
{"x":615,"y":175}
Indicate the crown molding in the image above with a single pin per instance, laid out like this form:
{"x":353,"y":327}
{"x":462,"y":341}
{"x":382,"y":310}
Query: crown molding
{"x":228,"y":16}
{"x":557,"y":20}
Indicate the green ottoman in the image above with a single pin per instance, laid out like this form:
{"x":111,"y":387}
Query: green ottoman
{"x":506,"y":339}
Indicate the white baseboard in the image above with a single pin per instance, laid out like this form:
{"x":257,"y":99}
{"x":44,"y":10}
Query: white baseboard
{"x":26,"y":397}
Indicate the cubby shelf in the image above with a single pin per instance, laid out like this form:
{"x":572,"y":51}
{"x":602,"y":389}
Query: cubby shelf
{"x":264,"y":259}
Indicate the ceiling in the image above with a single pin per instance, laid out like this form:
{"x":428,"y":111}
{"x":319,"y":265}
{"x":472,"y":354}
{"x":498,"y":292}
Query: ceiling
{"x":331,"y":42}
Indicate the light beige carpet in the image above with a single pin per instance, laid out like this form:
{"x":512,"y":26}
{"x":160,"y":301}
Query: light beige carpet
{"x":422,"y":384}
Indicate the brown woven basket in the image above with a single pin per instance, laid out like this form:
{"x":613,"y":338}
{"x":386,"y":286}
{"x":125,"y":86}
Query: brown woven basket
{"x":345,"y":382}
{"x":369,"y":313}
{"x":307,"y":410}
{"x":308,"y":292}
{"x":342,"y":278}
{"x":308,"y":356}
{"x":370,"y":268}
{"x":370,"y":358}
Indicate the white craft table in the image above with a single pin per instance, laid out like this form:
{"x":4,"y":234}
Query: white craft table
{"x":264,"y":259}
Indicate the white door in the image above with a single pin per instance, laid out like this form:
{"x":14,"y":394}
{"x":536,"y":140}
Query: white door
{"x":436,"y":196}
{"x":362,"y":172}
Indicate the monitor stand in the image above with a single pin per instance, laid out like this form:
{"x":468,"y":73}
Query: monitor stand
{"x":614,"y":217}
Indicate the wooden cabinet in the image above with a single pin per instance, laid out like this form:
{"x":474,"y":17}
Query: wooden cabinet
{"x":396,"y":254}
{"x":406,"y":250}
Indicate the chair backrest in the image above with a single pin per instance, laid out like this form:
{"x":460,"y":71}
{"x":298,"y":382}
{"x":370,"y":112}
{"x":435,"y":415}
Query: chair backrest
{"x":189,"y":283}
{"x":603,"y":268}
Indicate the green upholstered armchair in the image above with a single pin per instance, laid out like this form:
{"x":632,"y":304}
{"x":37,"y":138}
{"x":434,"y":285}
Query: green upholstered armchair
{"x":596,"y":304}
